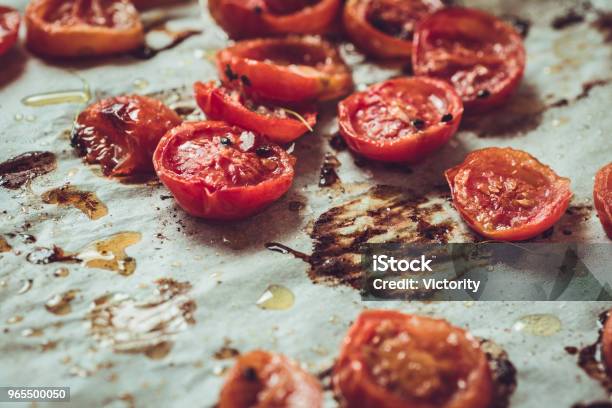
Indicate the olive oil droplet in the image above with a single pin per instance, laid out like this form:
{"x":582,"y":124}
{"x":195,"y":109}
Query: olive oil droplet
{"x":276,"y":297}
{"x":538,"y":325}
{"x":55,"y":98}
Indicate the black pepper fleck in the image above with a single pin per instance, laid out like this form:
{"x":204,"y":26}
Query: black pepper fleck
{"x":250,"y":374}
{"x":245,"y":80}
{"x":418,"y":123}
{"x":483,"y":93}
{"x":447,"y":118}
{"x":258,"y":10}
{"x":264,"y":151}
{"x":226,"y":141}
{"x":231,"y":76}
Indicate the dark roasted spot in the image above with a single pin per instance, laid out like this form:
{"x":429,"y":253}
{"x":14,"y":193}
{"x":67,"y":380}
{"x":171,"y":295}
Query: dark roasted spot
{"x":559,"y":103}
{"x":522,"y":25}
{"x":587,"y":87}
{"x":447,"y":118}
{"x":603,"y":24}
{"x":571,"y":350}
{"x":19,"y":170}
{"x":328,"y":176}
{"x":503,"y":373}
{"x":296,"y":206}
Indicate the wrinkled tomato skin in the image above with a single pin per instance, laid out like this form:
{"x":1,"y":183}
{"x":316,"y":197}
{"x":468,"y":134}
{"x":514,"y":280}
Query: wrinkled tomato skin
{"x":252,"y":18}
{"x":602,"y":197}
{"x":550,"y":208}
{"x":248,"y":384}
{"x":408,"y":149}
{"x":452,"y":22}
{"x":281,"y":83}
{"x":373,"y":41}
{"x":214,"y":203}
{"x":218,"y":105}
{"x":80,"y":39}
{"x":354,"y":385}
{"x":121,"y":133}
{"x":9,"y":28}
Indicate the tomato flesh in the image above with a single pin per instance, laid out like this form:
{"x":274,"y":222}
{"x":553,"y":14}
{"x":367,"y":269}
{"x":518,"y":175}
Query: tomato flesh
{"x":77,"y":28}
{"x":507,"y":194}
{"x":292,"y":69}
{"x":389,"y":359}
{"x":279,"y":124}
{"x":602,"y":195}
{"x":121,"y":133}
{"x":260,"y":18}
{"x":265,"y":380}
{"x":218,"y":171}
{"x":400,"y":120}
{"x":384,"y":28}
{"x":482,"y":56}
{"x":9,"y":28}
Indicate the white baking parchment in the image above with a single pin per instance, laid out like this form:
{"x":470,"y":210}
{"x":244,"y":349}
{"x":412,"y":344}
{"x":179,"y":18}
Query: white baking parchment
{"x":227,"y":264}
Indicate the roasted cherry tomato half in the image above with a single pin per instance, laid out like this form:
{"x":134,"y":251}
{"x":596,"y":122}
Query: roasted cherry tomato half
{"x":219,"y":171}
{"x":293,"y":69}
{"x":77,"y":28}
{"x":508,"y":195}
{"x":9,"y":28}
{"x":602,"y":195}
{"x":400,"y":120}
{"x":394,"y":360}
{"x":384,"y":28}
{"x":121,"y":133}
{"x":279,"y":124}
{"x":482,"y":56}
{"x":260,"y":18}
{"x":264,"y":380}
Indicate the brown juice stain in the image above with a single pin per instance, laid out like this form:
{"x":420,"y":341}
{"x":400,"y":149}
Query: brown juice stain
{"x":571,"y":17}
{"x":86,"y":201}
{"x":170,"y":40}
{"x":148,"y":327}
{"x":521,"y":24}
{"x":502,"y":371}
{"x":21,"y":169}
{"x":108,"y":254}
{"x":60,"y":304}
{"x":328,"y":176}
{"x":226,"y":351}
{"x":61,"y":272}
{"x":384,"y":214}
{"x":603,"y":24}
{"x":4,"y":245}
{"x":32,"y":332}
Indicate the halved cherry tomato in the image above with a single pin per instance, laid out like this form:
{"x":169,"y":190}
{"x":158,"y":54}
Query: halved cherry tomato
{"x":384,"y":28}
{"x":260,"y":18}
{"x":602,"y":195}
{"x":219,"y":171}
{"x":231,"y":105}
{"x":122,"y":133}
{"x":394,"y":360}
{"x":76,"y":28}
{"x":400,"y":120}
{"x":265,"y":380}
{"x":506,"y":194}
{"x":482,"y":56}
{"x":292,"y":69}
{"x":606,"y":343}
{"x":9,"y":28}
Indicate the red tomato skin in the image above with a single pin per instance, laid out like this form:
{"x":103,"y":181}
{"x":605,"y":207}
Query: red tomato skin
{"x":278,"y":83}
{"x":11,"y":21}
{"x":503,"y":93}
{"x":411,"y":149}
{"x":372,"y":41}
{"x":602,"y":198}
{"x":217,"y":105}
{"x":524,"y":232}
{"x":240,"y":20}
{"x":305,"y":391}
{"x":352,"y":381}
{"x":233,"y":203}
